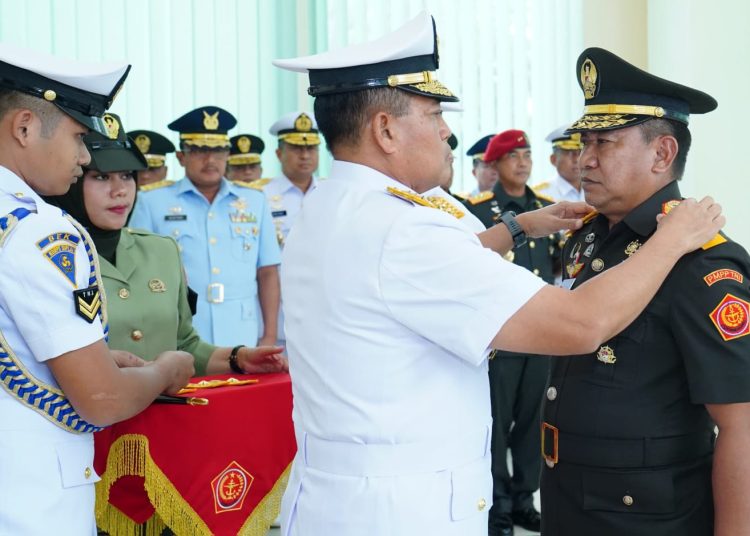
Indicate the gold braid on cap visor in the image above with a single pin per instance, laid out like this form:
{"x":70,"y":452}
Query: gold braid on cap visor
{"x":244,"y":159}
{"x":206,"y":140}
{"x":301,"y":138}
{"x":155,"y":160}
{"x":610,"y":115}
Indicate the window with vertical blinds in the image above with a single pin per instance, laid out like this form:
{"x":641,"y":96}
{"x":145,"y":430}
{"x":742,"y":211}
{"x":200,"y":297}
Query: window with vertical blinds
{"x":511,"y":62}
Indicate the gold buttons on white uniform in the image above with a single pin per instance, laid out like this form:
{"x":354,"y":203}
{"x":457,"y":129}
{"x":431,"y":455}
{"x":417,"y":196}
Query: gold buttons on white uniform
{"x":481,"y":505}
{"x":87,"y":473}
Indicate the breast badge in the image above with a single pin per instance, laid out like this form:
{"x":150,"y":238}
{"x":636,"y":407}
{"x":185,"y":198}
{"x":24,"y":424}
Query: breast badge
{"x":731,"y":317}
{"x":632,"y":247}
{"x":240,"y":214}
{"x":606,"y":355}
{"x":157,"y":285}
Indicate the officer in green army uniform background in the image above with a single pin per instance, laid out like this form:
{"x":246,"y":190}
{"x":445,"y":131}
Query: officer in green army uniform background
{"x":516,"y":380}
{"x":155,"y":149}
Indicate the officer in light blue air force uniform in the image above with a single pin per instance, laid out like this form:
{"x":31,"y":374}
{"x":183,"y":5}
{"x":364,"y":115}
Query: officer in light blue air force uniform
{"x":224,"y":231}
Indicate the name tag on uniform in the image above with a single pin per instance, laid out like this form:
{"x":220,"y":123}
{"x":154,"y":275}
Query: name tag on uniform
{"x":278,"y":213}
{"x":175,"y":217}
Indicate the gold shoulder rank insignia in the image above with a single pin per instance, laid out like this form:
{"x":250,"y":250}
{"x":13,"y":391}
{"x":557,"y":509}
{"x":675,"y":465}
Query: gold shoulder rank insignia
{"x":586,"y":219}
{"x":410,"y":196}
{"x":544,"y":197}
{"x":445,"y":206}
{"x":540,"y":186}
{"x":257,"y":184}
{"x":156,"y":185}
{"x":481,"y":197}
{"x":715,"y":241}
{"x":590,"y":216}
{"x":462,"y":195}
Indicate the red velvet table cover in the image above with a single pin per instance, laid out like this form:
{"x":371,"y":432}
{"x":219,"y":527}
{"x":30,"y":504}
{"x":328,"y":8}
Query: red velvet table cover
{"x":217,"y":469}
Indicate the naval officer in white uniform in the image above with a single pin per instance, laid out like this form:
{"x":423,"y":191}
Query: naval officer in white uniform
{"x":392,"y":305}
{"x":58,"y":380}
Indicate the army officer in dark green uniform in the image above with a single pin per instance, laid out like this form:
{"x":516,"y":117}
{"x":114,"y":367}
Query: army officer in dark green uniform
{"x":516,"y":380}
{"x":142,"y":272}
{"x":628,"y":429}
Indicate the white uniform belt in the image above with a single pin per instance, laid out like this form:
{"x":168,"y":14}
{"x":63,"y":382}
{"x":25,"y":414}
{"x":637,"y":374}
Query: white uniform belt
{"x":385,"y":459}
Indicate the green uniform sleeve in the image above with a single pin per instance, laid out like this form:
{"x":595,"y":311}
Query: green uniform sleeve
{"x":188,"y":339}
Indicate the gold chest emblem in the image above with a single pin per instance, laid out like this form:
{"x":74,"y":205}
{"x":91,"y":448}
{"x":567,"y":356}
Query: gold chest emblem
{"x":606,"y":355}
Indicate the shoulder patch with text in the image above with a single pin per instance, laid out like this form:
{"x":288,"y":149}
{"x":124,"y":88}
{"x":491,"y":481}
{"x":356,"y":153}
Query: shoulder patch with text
{"x":60,"y":250}
{"x":723,"y":273}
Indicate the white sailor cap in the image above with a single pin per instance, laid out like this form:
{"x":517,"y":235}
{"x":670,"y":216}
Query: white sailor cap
{"x":405,"y":59}
{"x":296,"y":128}
{"x":82,"y":90}
{"x":567,"y":142}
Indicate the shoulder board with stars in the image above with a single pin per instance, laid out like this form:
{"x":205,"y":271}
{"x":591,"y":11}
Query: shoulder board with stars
{"x":481,"y":197}
{"x":445,"y":206}
{"x":715,"y":241}
{"x":156,"y":185}
{"x":410,"y":196}
{"x":461,"y":195}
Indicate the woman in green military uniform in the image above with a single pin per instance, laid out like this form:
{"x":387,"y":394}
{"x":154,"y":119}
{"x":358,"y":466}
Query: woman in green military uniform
{"x":142,"y":272}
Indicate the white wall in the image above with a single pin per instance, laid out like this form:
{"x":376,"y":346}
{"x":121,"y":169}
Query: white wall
{"x":706,"y":45}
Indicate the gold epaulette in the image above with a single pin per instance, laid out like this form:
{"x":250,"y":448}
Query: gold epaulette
{"x":481,"y":197}
{"x":156,"y":185}
{"x":445,"y":206}
{"x":715,"y":241}
{"x":461,"y":195}
{"x":410,"y":196}
{"x":586,"y":219}
{"x":544,"y":197}
{"x":540,"y":186}
{"x":257,"y":184}
{"x":590,"y":216}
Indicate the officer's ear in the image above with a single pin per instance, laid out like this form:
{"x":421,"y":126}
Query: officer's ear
{"x":384,"y":132}
{"x":180,"y":157}
{"x":665,"y":151}
{"x":23,"y":124}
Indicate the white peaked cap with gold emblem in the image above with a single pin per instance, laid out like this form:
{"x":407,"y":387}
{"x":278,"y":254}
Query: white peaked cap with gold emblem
{"x":405,"y":59}
{"x":83,"y":90}
{"x":297,"y":128}
{"x":565,"y":141}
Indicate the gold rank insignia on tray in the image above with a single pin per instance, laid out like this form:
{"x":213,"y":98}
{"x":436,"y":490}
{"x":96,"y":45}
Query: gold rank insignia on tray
{"x":731,"y":317}
{"x":606,"y":355}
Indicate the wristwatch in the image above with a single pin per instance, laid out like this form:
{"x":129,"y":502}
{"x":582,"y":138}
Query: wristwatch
{"x":515,"y":229}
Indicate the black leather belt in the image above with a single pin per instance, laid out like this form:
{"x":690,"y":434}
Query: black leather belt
{"x":559,"y":446}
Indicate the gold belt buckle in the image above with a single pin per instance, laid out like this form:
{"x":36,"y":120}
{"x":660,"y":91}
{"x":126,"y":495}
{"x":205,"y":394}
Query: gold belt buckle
{"x":215,"y":293}
{"x":550,"y":459}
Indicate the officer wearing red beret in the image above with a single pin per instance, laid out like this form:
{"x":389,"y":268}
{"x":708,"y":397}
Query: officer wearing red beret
{"x":517,"y":381}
